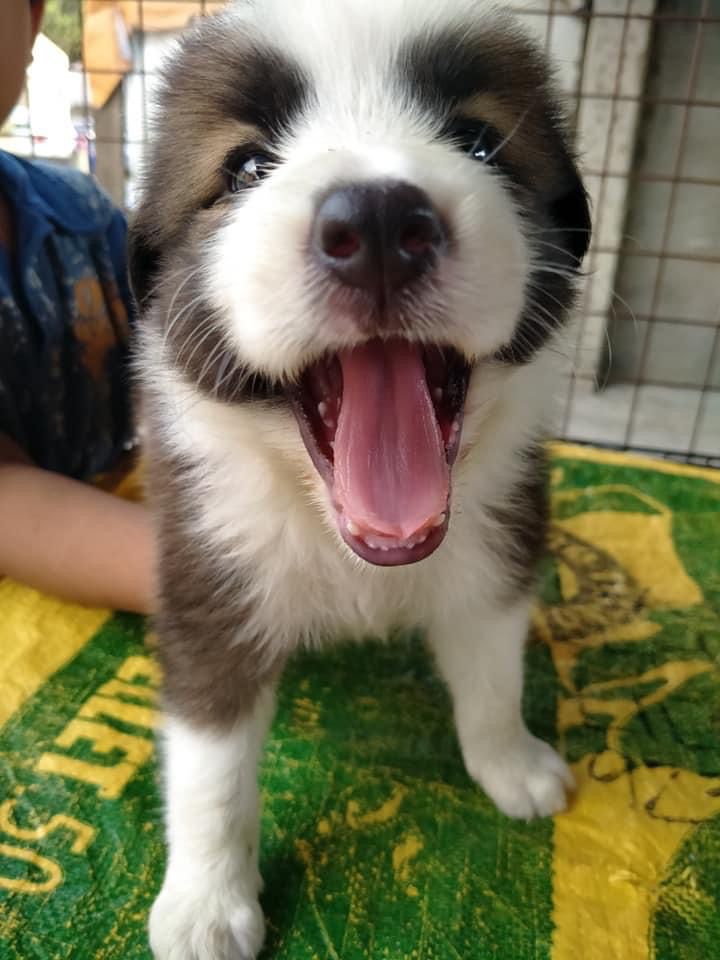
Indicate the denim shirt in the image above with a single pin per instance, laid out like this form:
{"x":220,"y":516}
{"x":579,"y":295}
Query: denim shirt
{"x":65,"y":313}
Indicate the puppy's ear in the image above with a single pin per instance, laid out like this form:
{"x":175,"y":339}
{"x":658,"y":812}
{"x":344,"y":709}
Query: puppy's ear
{"x":143,"y":260}
{"x":570,"y":211}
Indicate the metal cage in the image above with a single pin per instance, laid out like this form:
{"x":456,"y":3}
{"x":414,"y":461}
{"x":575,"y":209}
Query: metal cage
{"x":642,"y":83}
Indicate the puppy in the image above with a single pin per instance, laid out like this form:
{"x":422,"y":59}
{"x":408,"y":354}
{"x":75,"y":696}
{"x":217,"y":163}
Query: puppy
{"x":359,"y":234}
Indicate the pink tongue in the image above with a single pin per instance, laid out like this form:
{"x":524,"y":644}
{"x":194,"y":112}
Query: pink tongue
{"x":391,"y":472}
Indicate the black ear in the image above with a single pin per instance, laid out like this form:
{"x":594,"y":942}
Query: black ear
{"x":143,"y":263}
{"x":570,"y":211}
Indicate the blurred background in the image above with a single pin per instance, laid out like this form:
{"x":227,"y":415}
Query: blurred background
{"x":642,"y":82}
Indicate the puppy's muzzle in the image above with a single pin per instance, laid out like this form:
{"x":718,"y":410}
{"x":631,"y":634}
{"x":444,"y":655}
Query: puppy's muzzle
{"x":378,"y":238}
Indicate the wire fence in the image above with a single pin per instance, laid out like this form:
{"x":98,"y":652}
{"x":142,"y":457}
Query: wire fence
{"x":642,"y":83}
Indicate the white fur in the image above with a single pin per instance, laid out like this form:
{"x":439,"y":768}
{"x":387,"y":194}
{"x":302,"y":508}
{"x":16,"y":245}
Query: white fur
{"x":262,"y":504}
{"x":308,"y":585}
{"x":263,"y":288}
{"x":480,"y":655}
{"x":208,"y":908}
{"x":361,"y":126}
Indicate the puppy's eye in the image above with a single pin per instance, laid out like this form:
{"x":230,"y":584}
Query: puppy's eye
{"x":480,"y":141}
{"x":243,"y":169}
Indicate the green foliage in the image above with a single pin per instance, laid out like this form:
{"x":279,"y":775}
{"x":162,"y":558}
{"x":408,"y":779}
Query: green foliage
{"x":62,"y":25}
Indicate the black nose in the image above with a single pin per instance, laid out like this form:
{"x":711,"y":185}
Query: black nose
{"x":377,"y":237}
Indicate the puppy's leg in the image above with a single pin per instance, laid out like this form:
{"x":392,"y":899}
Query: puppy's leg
{"x":481,"y":659}
{"x":219,"y":674}
{"x":208,"y":907}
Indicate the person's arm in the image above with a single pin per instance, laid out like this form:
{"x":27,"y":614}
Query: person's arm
{"x":73,"y":540}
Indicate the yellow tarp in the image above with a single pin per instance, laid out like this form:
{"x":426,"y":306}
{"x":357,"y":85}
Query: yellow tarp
{"x":375,"y":843}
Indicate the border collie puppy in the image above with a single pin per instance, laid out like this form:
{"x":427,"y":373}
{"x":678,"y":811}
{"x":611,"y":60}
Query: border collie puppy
{"x":359,"y":234}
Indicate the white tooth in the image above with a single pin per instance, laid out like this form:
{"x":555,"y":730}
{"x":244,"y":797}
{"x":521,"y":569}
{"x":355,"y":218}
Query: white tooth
{"x":322,"y":409}
{"x":421,"y":539}
{"x":437,"y":393}
{"x":353,"y":529}
{"x":384,"y":549}
{"x":332,"y":444}
{"x":439,"y":520}
{"x":329,"y":423}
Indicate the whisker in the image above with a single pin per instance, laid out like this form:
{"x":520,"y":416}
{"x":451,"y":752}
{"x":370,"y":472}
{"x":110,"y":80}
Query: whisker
{"x":539,"y":233}
{"x":214,"y":353}
{"x":178,"y":315}
{"x":608,"y":366}
{"x":558,"y":271}
{"x":177,"y":293}
{"x":556,"y":246}
{"x":552,"y":320}
{"x":159,"y":284}
{"x":533,"y":285}
{"x":224,"y":373}
{"x":508,"y":138}
{"x":624,"y":303}
{"x":210,"y":328}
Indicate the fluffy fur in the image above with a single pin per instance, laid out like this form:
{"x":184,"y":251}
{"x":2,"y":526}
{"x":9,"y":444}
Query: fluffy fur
{"x":235,"y":308}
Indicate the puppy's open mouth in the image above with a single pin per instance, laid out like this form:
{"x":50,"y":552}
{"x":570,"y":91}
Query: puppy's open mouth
{"x":382,"y":424}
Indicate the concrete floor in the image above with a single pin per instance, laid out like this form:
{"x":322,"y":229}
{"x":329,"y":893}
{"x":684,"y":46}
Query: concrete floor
{"x":664,"y":418}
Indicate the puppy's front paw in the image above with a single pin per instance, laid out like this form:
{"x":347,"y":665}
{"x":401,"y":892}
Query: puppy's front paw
{"x":525,"y":779}
{"x":202,"y":924}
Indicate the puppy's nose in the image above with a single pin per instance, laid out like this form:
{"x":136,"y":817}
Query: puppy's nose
{"x":377,"y":237}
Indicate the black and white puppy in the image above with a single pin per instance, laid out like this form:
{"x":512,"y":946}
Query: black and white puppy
{"x":359,"y":234}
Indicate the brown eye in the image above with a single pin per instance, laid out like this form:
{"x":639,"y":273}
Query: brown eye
{"x":243,"y":169}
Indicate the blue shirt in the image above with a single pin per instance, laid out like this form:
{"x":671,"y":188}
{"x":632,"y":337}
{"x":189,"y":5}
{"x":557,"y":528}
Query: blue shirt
{"x":65,"y":310}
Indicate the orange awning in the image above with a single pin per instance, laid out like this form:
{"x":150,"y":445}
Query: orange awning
{"x":107,"y":25}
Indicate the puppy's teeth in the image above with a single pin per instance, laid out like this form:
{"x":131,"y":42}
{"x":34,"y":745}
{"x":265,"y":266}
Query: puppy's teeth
{"x":352,"y":528}
{"x":332,"y":444}
{"x":330,"y":424}
{"x":384,"y":549}
{"x":439,"y":520}
{"x":322,"y":410}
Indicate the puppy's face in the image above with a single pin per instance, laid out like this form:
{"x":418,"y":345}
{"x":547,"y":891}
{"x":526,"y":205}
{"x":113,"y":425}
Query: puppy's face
{"x":352,"y":208}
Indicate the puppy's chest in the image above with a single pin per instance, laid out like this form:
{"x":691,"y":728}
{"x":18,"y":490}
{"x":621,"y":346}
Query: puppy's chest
{"x":309,"y":586}
{"x":272,"y":533}
{"x":302,"y":582}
